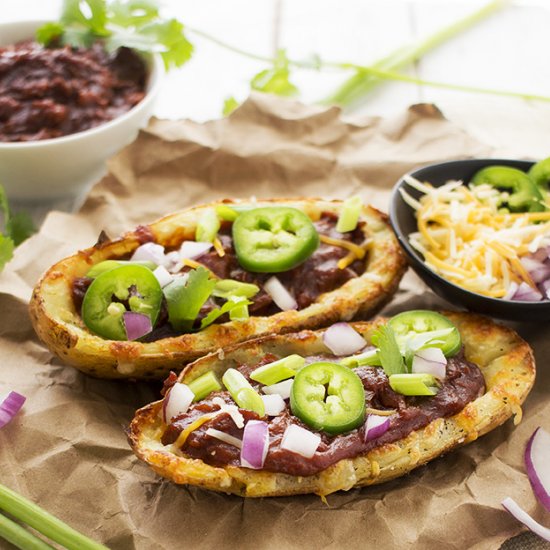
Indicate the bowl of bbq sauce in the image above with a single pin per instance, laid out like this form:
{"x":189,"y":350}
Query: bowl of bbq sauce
{"x":65,"y":110}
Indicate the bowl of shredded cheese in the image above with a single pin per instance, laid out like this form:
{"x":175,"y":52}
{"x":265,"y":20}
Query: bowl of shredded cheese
{"x":468,"y":246}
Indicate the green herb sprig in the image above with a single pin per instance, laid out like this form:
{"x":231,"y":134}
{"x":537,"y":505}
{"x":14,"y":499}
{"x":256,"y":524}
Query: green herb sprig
{"x":17,"y":227}
{"x":135,"y":24}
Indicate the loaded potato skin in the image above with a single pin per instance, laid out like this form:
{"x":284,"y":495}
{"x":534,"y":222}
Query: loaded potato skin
{"x":59,"y":325}
{"x":506,"y":363}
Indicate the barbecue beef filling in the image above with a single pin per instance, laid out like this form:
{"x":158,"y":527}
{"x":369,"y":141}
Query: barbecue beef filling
{"x":463,"y":383}
{"x":318,"y":274}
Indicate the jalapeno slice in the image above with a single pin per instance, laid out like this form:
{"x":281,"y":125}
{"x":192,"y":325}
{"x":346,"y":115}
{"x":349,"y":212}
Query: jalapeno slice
{"x":125,"y":288}
{"x":524,"y":195}
{"x":273,"y":239}
{"x":409,"y":324}
{"x":328,"y":397}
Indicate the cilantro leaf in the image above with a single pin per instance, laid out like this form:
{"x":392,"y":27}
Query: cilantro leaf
{"x":91,"y":14}
{"x":275,"y":80}
{"x":49,"y":32}
{"x":132,"y":13}
{"x":388,"y":351}
{"x":20,"y":227}
{"x":185,"y":296}
{"x":229,"y":105}
{"x":6,"y":250}
{"x":226,"y":308}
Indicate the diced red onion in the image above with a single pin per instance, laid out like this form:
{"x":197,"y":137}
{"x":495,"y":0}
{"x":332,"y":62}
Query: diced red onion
{"x":149,"y":252}
{"x":231,"y":410}
{"x":430,"y":361}
{"x":342,"y":339}
{"x":521,"y":515}
{"x":525,"y":293}
{"x":193,"y":249}
{"x":255,"y":444}
{"x":300,"y":441}
{"x":281,"y":388}
{"x":226,"y":438}
{"x":538,"y":271}
{"x":512,"y":289}
{"x":177,"y":401}
{"x":10,"y":406}
{"x":280,"y":295}
{"x":136,"y":324}
{"x":375,"y":426}
{"x":542,"y":254}
{"x":274,"y":404}
{"x":163,"y":276}
{"x":537,"y":463}
{"x":545,"y":288}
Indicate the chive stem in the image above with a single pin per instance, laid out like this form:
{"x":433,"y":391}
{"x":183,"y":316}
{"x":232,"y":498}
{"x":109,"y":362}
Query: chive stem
{"x":278,"y":370}
{"x":19,"y":536}
{"x":204,"y":385}
{"x":44,"y":522}
{"x":361,"y":83}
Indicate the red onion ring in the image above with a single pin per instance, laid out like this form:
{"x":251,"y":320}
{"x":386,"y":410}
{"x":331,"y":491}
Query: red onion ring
{"x":537,"y":464}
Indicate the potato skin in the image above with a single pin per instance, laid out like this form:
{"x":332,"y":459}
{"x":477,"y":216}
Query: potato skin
{"x":61,"y":329}
{"x":507,"y":364}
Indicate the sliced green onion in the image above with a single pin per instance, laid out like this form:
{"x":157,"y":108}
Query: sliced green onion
{"x":225,"y":288}
{"x":208,"y":227}
{"x":349,"y":215}
{"x":204,"y":385}
{"x":242,"y":392}
{"x":239,"y":312}
{"x":226,"y":213}
{"x":278,"y":370}
{"x":414,"y":384}
{"x":26,"y":511}
{"x":19,"y":536}
{"x":368,"y":358}
{"x":109,"y":265}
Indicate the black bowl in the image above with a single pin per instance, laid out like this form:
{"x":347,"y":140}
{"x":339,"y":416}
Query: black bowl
{"x":404,"y":222}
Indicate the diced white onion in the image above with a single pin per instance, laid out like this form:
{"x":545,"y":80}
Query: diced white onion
{"x":193,"y":249}
{"x":281,"y":388}
{"x":172,"y":262}
{"x":177,"y":401}
{"x":343,"y":339}
{"x":226,"y":438}
{"x":430,"y":361}
{"x":231,"y":410}
{"x":163,"y":276}
{"x":274,"y":404}
{"x":280,"y":295}
{"x":300,"y":441}
{"x":149,"y":252}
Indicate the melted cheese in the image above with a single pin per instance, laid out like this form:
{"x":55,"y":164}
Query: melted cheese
{"x":465,"y":238}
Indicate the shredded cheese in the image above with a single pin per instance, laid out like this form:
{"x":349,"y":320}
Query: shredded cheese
{"x":356,"y":252}
{"x":465,"y":238}
{"x":196,"y":424}
{"x":218,"y":247}
{"x":194,"y":265}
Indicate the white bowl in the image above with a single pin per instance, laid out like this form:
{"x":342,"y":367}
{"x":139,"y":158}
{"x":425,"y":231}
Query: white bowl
{"x":64,"y":167}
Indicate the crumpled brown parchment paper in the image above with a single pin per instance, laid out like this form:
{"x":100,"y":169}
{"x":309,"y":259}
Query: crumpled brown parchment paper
{"x":67,"y":449}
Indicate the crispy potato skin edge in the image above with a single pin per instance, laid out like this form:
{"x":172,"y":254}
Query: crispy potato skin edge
{"x":61,"y":329}
{"x":507,"y":364}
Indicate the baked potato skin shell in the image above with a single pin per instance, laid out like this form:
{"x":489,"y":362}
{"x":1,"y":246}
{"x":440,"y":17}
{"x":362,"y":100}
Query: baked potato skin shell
{"x":507,"y":364}
{"x":61,"y":329}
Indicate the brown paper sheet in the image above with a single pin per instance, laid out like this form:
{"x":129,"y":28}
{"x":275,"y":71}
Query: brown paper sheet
{"x":67,"y":450}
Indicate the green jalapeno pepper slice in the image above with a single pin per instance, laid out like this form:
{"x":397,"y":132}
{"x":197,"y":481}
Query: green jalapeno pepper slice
{"x":524,"y":196}
{"x":409,"y":324}
{"x":328,"y":397}
{"x":540,"y":174}
{"x":273,"y":239}
{"x":124,"y":288}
